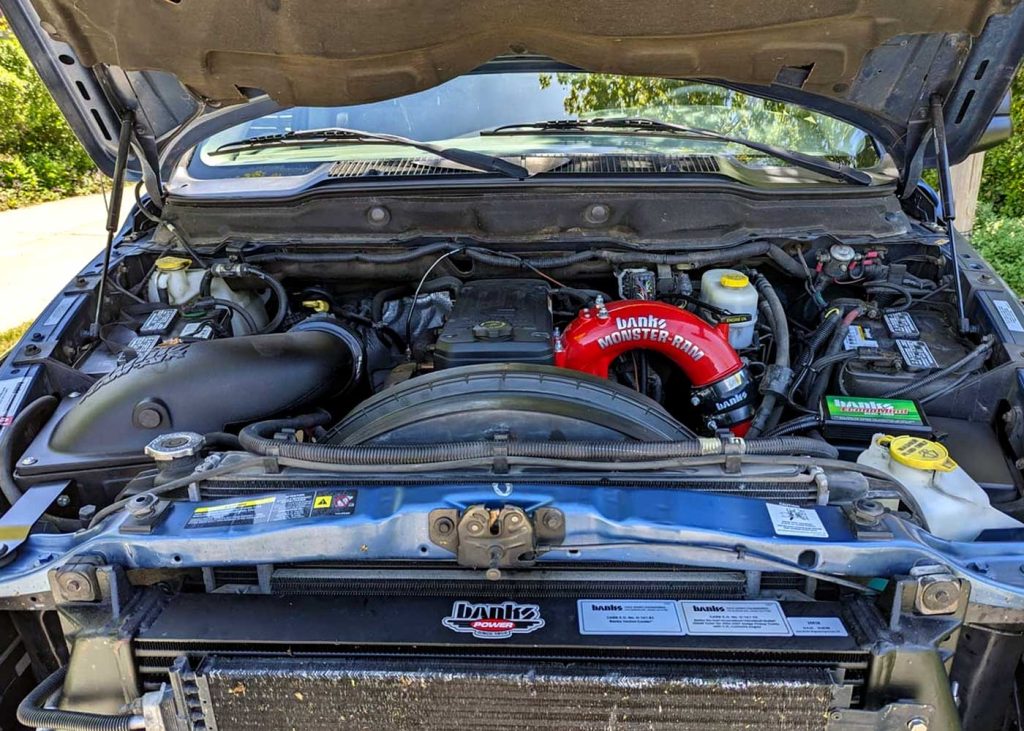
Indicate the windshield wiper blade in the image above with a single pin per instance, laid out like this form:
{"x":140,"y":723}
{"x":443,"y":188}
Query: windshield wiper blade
{"x":335,"y":135}
{"x":820,"y":165}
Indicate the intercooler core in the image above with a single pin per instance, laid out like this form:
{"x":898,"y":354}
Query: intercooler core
{"x":372,"y":694}
{"x":429,"y":661}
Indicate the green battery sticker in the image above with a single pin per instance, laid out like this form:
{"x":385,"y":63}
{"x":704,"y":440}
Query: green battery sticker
{"x":881,"y":410}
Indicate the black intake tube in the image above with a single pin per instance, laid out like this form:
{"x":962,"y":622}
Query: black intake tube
{"x":210,"y":385}
{"x":258,"y":438}
{"x":32,"y":714}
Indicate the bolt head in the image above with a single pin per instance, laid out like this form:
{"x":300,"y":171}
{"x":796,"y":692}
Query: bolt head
{"x":63,"y":501}
{"x":917,"y":724}
{"x":444,"y":526}
{"x":29,"y":461}
{"x":552,"y":520}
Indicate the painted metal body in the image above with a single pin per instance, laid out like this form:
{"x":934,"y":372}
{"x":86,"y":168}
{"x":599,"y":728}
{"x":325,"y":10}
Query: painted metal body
{"x":641,"y":525}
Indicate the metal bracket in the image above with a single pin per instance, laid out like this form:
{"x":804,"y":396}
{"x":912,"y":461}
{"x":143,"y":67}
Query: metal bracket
{"x":17,"y":522}
{"x":496,"y":539}
{"x":145,"y":511}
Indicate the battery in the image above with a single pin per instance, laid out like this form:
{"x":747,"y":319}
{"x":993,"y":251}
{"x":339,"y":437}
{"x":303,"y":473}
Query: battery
{"x":858,"y":418}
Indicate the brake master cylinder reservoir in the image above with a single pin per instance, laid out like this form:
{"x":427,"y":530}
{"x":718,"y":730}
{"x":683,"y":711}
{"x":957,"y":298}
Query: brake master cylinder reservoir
{"x":954,"y":505}
{"x":174,"y":282}
{"x":732,"y":291}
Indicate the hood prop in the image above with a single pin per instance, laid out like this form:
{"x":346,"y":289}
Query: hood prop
{"x":124,"y":140}
{"x":948,"y":205}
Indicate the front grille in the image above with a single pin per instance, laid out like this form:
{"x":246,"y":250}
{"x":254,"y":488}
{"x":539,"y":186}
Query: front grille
{"x":267,"y":693}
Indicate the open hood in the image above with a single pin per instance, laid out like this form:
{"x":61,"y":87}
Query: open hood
{"x":181,"y":63}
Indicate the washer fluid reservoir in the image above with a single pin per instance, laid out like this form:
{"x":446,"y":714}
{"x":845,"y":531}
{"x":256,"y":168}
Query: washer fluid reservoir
{"x":954,"y":505}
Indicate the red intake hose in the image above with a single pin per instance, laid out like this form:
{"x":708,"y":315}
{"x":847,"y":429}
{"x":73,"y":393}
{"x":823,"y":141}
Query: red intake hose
{"x":721,"y":384}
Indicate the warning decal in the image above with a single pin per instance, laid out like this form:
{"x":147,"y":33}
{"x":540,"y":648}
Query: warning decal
{"x":10,"y":392}
{"x":789,"y":520}
{"x":274,"y":508}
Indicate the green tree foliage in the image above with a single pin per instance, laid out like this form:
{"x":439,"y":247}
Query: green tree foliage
{"x":40,"y":159}
{"x":729,"y":112}
{"x":1002,"y":181}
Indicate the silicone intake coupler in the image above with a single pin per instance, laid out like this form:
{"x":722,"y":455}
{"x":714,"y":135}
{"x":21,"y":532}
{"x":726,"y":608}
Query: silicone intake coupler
{"x":721,"y":385}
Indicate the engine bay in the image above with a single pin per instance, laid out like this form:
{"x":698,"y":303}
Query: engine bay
{"x":549,"y":440}
{"x":827,"y":343}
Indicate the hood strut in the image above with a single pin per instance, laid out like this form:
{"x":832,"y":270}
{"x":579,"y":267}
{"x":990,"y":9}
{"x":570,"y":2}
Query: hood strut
{"x":124,"y":140}
{"x":948,"y":205}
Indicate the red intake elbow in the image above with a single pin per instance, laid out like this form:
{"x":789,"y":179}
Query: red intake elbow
{"x":702,"y":351}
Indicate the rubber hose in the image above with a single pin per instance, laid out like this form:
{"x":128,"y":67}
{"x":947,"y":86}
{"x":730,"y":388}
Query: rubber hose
{"x":820,"y":384}
{"x":32,"y":714}
{"x":257,"y":438}
{"x":794,"y":425}
{"x":785,"y":262}
{"x":279,"y":292}
{"x":237,"y":309}
{"x":697,"y":258}
{"x":383,"y":295}
{"x":906,"y":294}
{"x":982,"y":349}
{"x":21,"y":425}
{"x":440,"y":284}
{"x":822,"y":333}
{"x":769,"y":409}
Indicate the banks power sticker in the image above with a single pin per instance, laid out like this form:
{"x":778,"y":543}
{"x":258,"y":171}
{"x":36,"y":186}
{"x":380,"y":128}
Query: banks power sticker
{"x":629,"y":617}
{"x":735,"y":619}
{"x":274,"y":508}
{"x":789,"y":520}
{"x":817,"y":627}
{"x":494,"y":621}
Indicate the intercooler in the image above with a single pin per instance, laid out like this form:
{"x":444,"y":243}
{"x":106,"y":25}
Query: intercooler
{"x":231,"y":694}
{"x":390,"y":662}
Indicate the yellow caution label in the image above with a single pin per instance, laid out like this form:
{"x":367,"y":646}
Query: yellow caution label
{"x":233,"y":506}
{"x":322,"y":501}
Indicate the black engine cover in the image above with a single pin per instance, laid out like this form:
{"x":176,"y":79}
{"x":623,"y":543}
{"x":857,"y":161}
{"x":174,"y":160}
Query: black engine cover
{"x":498,"y":321}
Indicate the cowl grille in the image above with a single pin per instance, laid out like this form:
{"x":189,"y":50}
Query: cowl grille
{"x":575,"y":165}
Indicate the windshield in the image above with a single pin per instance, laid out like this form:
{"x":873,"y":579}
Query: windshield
{"x":455,"y":113}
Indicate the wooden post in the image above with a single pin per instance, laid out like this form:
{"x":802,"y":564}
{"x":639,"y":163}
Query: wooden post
{"x":966,"y":182}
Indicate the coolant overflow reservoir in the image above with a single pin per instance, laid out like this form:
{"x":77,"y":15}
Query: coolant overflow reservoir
{"x":954,"y":505}
{"x":732,"y":291}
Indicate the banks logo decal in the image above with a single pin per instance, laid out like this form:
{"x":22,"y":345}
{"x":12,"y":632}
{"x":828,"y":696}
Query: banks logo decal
{"x":494,"y":621}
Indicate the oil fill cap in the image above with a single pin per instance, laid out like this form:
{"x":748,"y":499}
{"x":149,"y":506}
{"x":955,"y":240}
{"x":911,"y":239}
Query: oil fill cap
{"x":734,"y":280}
{"x":172,"y":263}
{"x":492,"y":330}
{"x":921,"y":454}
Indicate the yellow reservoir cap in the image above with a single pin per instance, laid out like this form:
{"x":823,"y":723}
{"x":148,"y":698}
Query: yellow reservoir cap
{"x":921,"y":454}
{"x":172,"y":263}
{"x":734,"y":280}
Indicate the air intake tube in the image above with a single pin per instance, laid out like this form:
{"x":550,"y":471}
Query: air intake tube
{"x":722,"y":388}
{"x":208,"y":386}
